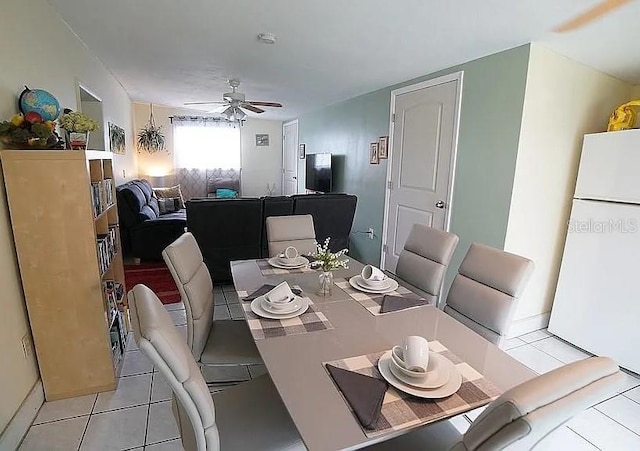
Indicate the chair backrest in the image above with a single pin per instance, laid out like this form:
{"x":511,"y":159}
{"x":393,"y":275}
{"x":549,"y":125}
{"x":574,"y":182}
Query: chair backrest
{"x":294,"y":230}
{"x":484,"y":293}
{"x":526,"y":414}
{"x":425,"y":257}
{"x":184,"y":259}
{"x":161,"y":342}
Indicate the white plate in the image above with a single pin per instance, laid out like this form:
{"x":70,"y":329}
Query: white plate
{"x":290,"y":307}
{"x":256,"y":307}
{"x":393,"y":285}
{"x":438,"y":373}
{"x":299,"y":260}
{"x":448,"y":389}
{"x":273,"y":261}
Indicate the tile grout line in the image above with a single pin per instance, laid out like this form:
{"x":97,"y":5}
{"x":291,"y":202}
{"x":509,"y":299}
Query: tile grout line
{"x":86,"y":426}
{"x":146,"y":427}
{"x":584,"y":438}
{"x":616,"y":421}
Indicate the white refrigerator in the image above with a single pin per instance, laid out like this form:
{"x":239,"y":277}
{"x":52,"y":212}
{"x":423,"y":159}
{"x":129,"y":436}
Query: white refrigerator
{"x":597,"y":300}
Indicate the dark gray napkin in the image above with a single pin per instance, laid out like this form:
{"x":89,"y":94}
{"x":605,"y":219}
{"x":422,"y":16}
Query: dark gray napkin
{"x":394,"y":303}
{"x":363,"y":393}
{"x":264,"y":289}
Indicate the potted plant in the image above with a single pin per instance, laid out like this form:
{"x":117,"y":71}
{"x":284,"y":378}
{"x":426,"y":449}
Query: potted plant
{"x":29,"y":131}
{"x":327,"y":261}
{"x":150,"y":137}
{"x":77,"y":127}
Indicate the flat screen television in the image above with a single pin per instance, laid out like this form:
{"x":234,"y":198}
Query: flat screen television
{"x":319,"y":174}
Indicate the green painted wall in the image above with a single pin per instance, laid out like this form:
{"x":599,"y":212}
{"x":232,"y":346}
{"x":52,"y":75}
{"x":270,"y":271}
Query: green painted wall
{"x":492,"y":104}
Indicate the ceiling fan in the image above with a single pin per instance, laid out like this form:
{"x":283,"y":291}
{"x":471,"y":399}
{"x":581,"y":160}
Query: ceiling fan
{"x":599,"y":10}
{"x":233,"y":103}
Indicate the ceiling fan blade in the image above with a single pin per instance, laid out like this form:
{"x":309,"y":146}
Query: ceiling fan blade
{"x":271,"y":104}
{"x":249,"y":107}
{"x":206,"y":103}
{"x":219,"y":109}
{"x":589,"y":16}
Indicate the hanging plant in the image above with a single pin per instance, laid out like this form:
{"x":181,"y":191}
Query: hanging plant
{"x":150,"y":137}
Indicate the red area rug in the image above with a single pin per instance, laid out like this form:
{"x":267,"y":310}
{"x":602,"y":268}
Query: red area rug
{"x":157,"y":277}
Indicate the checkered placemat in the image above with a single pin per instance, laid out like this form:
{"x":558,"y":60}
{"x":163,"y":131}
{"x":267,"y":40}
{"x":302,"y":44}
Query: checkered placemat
{"x":310,"y":321}
{"x":401,"y":410}
{"x":371,"y":301}
{"x":267,"y":270}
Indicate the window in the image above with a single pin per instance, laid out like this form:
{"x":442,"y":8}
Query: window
{"x":206,"y":144}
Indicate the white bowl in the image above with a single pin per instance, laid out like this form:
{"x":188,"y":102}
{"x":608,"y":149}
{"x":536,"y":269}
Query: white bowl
{"x":374,"y":283}
{"x":397,"y":364}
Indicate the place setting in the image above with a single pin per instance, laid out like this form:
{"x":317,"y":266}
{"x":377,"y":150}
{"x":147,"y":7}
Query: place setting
{"x":415,"y":381}
{"x":280,"y":311}
{"x":288,"y":262}
{"x":378,"y":293}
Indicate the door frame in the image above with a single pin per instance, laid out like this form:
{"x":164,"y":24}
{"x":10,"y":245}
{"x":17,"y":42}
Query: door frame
{"x":456,"y":76}
{"x":284,"y":124}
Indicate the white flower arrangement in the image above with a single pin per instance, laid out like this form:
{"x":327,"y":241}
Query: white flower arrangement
{"x":78,"y":123}
{"x":326,"y":260}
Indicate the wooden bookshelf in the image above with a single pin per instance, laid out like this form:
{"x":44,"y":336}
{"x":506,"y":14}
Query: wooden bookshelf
{"x":56,"y":230}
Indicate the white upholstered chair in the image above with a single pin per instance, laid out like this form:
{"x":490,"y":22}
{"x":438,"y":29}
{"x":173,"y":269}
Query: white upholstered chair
{"x":220,"y":346}
{"x":424,"y":260}
{"x":294,"y":230}
{"x":485,"y":292}
{"x":523,"y":416}
{"x":248,"y":416}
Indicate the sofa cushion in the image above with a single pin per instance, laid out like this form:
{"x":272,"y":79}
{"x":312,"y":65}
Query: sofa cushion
{"x":169,"y":205}
{"x":173,"y":191}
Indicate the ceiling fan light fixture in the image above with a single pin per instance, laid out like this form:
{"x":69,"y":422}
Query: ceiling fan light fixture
{"x":267,"y":38}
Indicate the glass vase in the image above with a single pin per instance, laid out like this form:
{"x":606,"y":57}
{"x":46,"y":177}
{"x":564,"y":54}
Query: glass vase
{"x":325,"y":283}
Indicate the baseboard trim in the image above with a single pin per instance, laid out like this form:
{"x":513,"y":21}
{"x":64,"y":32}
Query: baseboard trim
{"x":22,"y":420}
{"x":530,"y":324}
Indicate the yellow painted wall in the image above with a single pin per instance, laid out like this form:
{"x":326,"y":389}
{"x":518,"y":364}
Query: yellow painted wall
{"x":563,"y":101}
{"x":40,"y":51}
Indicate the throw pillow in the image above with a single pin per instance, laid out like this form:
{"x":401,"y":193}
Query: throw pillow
{"x":170,"y":205}
{"x":170,"y":193}
{"x":224,"y":193}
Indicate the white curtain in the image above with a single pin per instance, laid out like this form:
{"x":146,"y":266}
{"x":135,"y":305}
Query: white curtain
{"x":202,"y":146}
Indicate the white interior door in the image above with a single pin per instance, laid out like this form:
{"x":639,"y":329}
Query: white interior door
{"x":290,"y":158}
{"x":424,"y":132}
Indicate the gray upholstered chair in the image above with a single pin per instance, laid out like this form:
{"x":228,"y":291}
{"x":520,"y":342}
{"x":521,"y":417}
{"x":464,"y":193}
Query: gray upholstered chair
{"x":485,"y":292}
{"x":523,"y":416}
{"x":220,"y":346}
{"x":247,"y":416}
{"x":424,"y":260}
{"x":294,"y":230}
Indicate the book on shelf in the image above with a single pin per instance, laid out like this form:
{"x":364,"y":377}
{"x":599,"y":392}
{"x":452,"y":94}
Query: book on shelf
{"x":101,"y":196}
{"x":107,"y":248}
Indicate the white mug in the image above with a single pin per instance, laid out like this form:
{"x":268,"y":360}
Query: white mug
{"x":371,"y":273}
{"x":291,"y":253}
{"x":415,"y":353}
{"x":280,"y":294}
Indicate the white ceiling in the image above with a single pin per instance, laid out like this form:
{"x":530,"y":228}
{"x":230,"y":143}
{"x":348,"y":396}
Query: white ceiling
{"x":170,"y":52}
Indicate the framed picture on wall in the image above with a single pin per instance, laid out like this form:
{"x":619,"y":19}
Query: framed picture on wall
{"x":117,"y":140}
{"x":302,"y":151}
{"x":374,"y":157}
{"x":383,"y":152}
{"x":262,"y":140}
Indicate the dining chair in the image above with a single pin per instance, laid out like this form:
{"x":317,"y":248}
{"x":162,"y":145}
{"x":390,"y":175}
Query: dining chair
{"x":221,"y":347}
{"x":522,"y":417}
{"x":294,"y":230}
{"x":424,"y":260}
{"x":243,"y":417}
{"x":485,"y":292}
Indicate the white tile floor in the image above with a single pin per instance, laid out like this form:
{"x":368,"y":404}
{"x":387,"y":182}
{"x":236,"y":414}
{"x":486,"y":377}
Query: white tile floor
{"x":137,"y":416}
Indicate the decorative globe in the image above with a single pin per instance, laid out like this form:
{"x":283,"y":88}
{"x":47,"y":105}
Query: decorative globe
{"x":41,"y":102}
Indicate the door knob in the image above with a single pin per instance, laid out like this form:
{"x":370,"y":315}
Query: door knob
{"x":440,"y":204}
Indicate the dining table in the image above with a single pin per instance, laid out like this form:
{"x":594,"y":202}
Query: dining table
{"x":343,"y":327}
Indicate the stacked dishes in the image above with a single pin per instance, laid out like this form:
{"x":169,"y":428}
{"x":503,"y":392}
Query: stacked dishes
{"x":373,"y":280}
{"x":413,"y":369}
{"x":279,"y":303}
{"x":289,"y":259}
